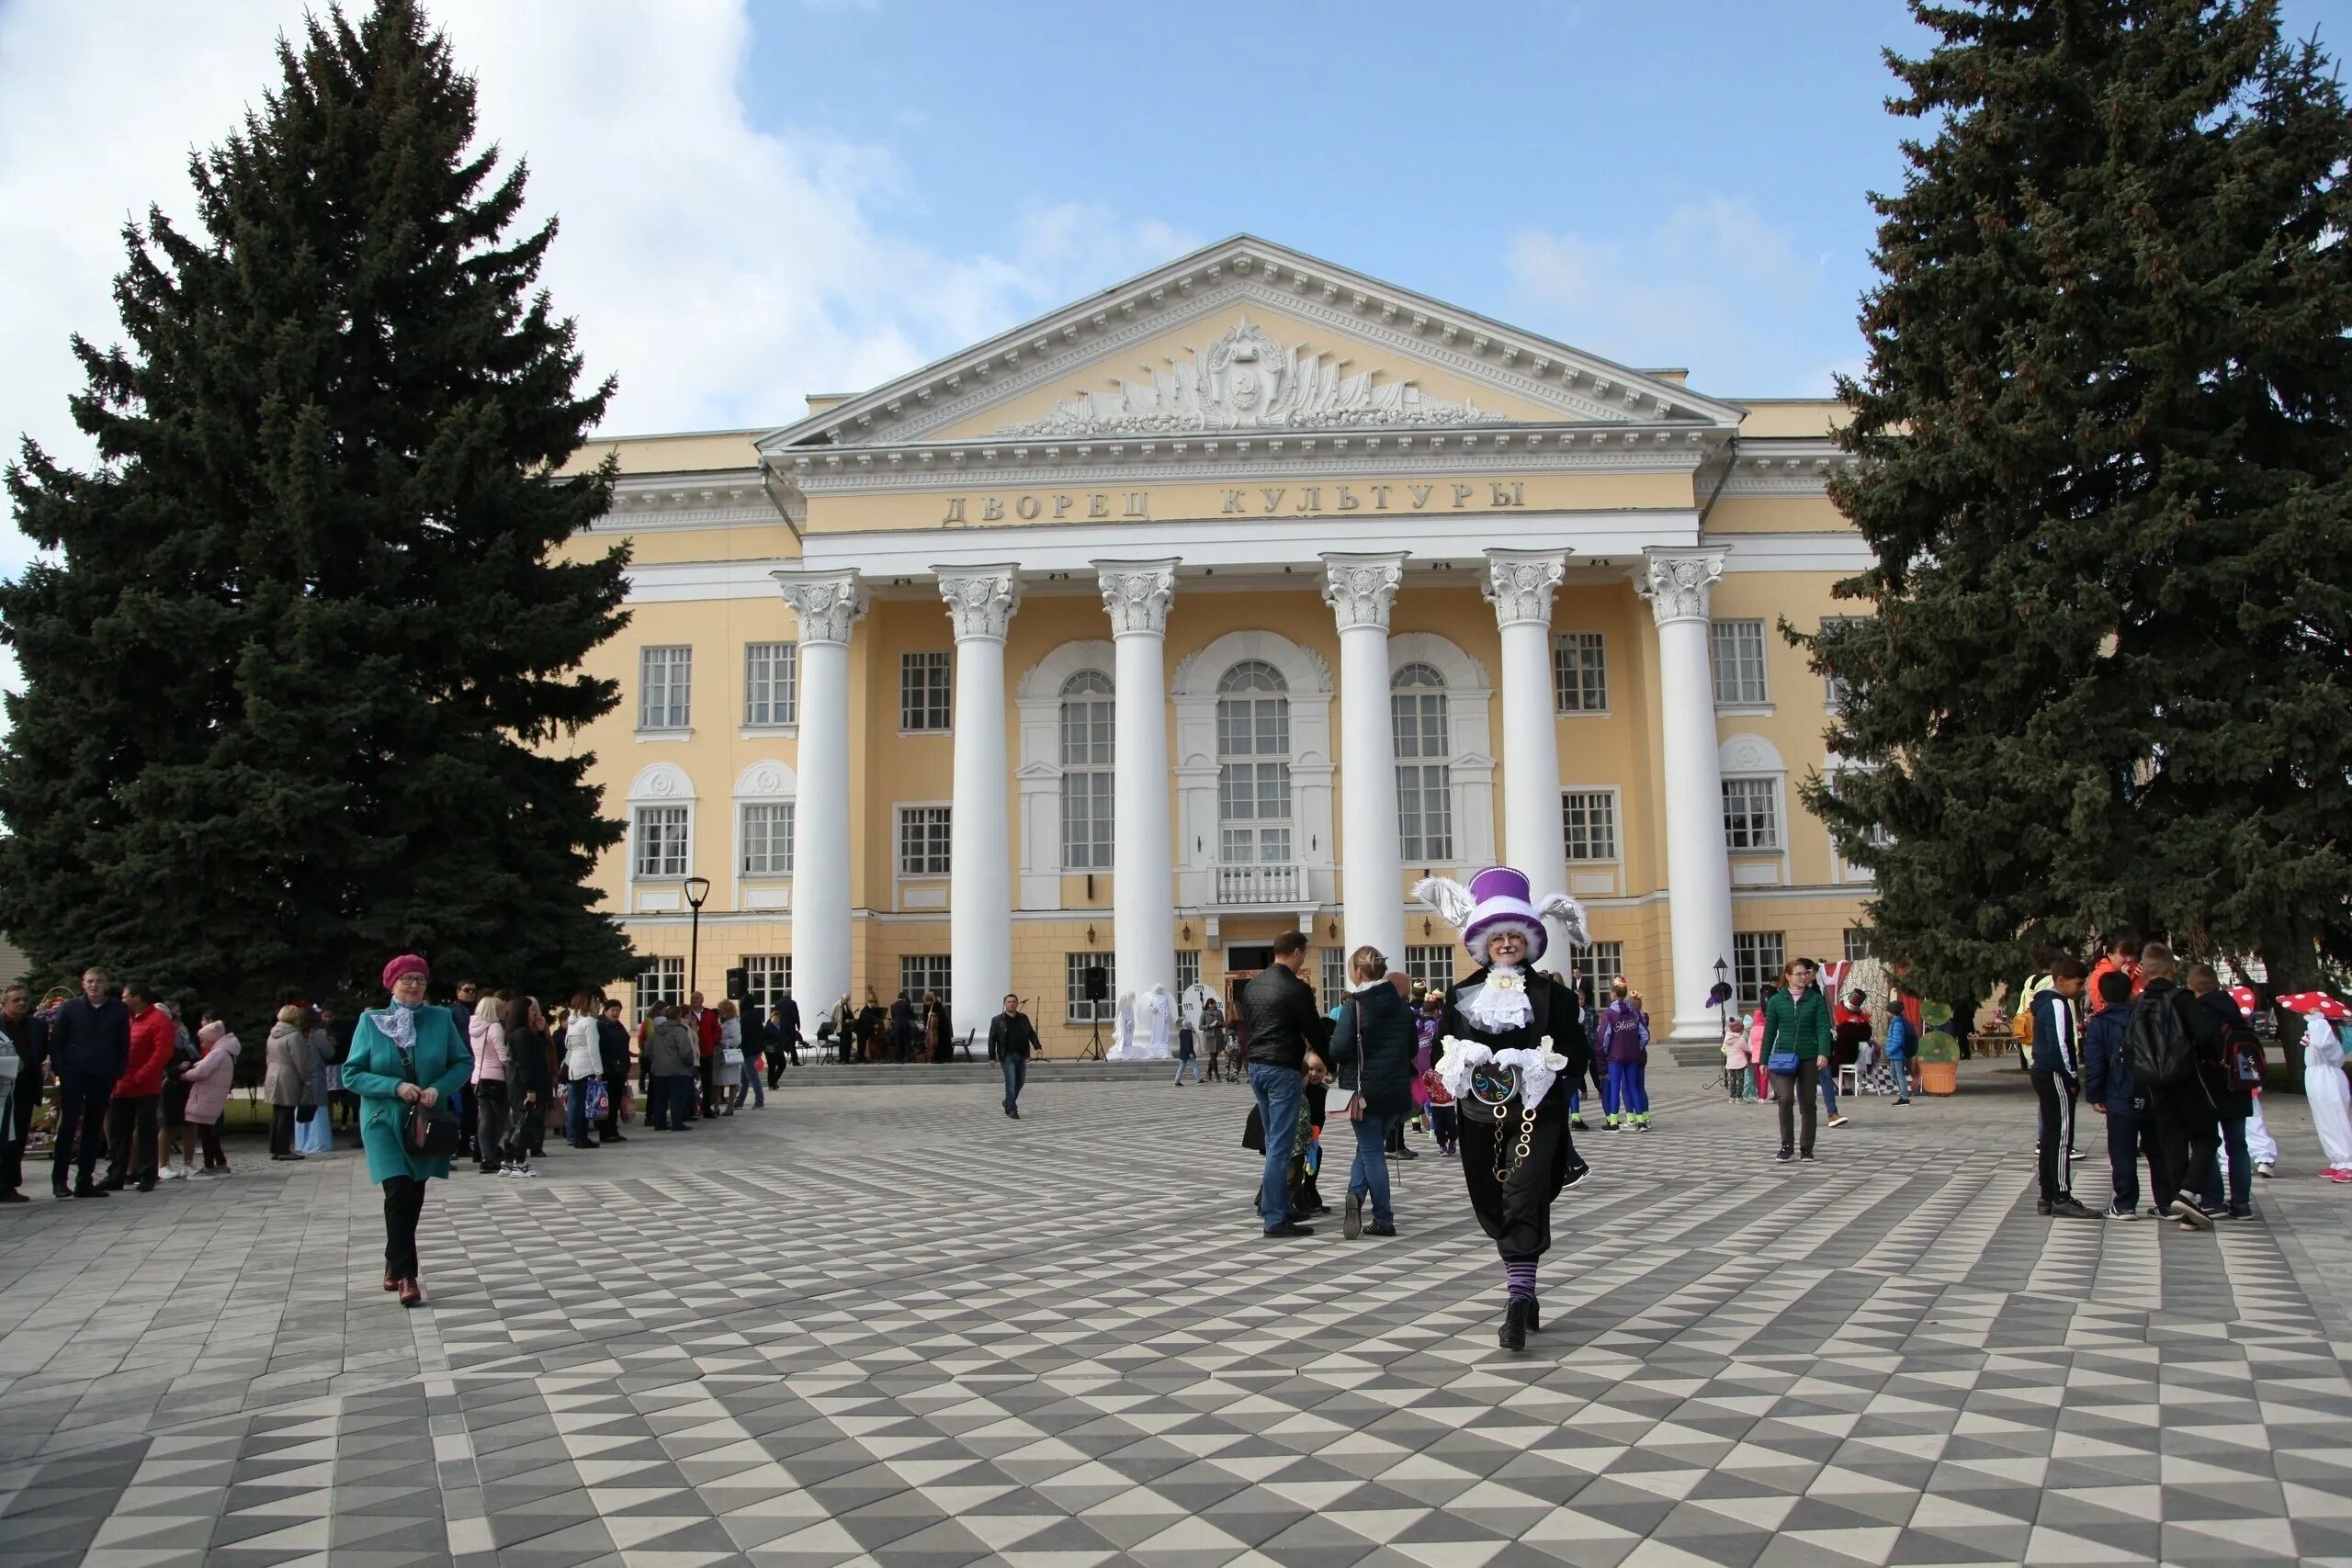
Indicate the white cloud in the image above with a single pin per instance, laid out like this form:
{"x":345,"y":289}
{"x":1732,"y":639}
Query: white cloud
{"x":1713,"y":288}
{"x":721,"y":270}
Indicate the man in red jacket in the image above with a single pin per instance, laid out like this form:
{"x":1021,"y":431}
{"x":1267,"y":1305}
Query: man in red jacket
{"x":139,"y":1093}
{"x":707,"y":1047}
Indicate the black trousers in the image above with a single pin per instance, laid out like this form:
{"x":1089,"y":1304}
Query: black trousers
{"x":1515,"y":1211}
{"x":281,"y":1131}
{"x":130,"y":1137}
{"x":403,"y":1204}
{"x":1792,"y":1091}
{"x":489,"y":1100}
{"x":709,"y":1101}
{"x":81,"y":1107}
{"x":2055,"y":1147}
{"x":2188,"y":1135}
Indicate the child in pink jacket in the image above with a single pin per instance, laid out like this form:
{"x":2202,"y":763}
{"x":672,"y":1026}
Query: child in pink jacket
{"x":208,"y":1079}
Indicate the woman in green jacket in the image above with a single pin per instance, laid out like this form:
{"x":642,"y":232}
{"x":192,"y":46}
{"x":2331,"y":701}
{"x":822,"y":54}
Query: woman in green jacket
{"x":403,"y":1054}
{"x":1796,"y":1050}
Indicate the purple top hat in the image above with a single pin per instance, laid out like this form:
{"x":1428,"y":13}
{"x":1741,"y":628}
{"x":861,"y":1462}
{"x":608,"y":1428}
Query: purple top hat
{"x":1500,"y":899}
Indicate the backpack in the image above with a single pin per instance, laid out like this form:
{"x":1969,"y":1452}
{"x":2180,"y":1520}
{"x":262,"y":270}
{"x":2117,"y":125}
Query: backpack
{"x":2156,"y":1045}
{"x":2241,"y":1053}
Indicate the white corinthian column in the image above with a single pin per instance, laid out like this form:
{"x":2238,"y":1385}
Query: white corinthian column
{"x":980,"y":602}
{"x":1677,"y":582}
{"x":1143,"y":873}
{"x":1520,"y":585}
{"x":1360,"y":589}
{"x":827,"y":605}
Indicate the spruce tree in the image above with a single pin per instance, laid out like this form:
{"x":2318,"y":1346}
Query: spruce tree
{"x":2106,"y":685}
{"x":299,"y":647}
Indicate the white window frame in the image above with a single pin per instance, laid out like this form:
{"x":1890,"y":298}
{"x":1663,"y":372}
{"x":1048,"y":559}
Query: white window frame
{"x":1616,"y":824}
{"x":1832,"y":701}
{"x":1756,"y":959}
{"x":899,"y":822}
{"x":1431,"y":772}
{"x":661,"y":982}
{"x":1565,"y":644}
{"x":1078,"y":1010}
{"x":1595,"y":966}
{"x":1740,"y":699}
{"x":1096,"y":779}
{"x":1256,"y":827}
{"x":1430,"y":964}
{"x":767,"y":977}
{"x":685,"y":813}
{"x":1857,"y":950}
{"x":783,"y":671}
{"x":1333,"y":975}
{"x":676,"y":715}
{"x":920,"y":971}
{"x":1188,"y":969}
{"x":1769,"y":784}
{"x":743,"y":866}
{"x":935,"y":703}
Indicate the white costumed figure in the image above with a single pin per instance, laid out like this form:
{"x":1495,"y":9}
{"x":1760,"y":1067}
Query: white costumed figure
{"x":1160,"y":1015}
{"x":2330,"y":1094}
{"x":1122,"y":1048}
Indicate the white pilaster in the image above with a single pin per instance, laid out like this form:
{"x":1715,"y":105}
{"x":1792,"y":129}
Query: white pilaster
{"x":1137,"y":593}
{"x":1520,"y":585}
{"x":827,"y":605}
{"x":1361,"y":589}
{"x":1677,"y":583}
{"x":980,"y":602}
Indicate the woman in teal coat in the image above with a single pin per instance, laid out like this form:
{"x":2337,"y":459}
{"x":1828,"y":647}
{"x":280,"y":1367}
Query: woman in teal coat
{"x":404,"y":1053}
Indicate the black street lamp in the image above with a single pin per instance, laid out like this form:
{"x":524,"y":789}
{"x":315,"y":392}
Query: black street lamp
{"x":697,"y":890}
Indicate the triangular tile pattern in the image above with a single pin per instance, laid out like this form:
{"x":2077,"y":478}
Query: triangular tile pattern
{"x":899,"y":1329}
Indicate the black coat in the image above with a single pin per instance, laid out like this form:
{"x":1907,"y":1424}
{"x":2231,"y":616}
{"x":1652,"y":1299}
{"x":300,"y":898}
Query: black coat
{"x":1381,"y":1023}
{"x":1284,"y":1026}
{"x":90,"y":1041}
{"x":612,"y":1044}
{"x":1011,"y":1034}
{"x":902,"y":1026}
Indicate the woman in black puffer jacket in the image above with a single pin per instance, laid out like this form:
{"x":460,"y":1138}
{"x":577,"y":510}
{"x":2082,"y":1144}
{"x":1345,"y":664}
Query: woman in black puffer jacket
{"x":1372,"y":1049}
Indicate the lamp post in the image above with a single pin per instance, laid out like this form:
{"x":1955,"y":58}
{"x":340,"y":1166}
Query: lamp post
{"x":1723,"y":992}
{"x":697,"y":890}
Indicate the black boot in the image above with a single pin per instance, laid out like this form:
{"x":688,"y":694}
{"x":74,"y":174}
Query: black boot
{"x":1512,"y":1336}
{"x":1534,"y":1316}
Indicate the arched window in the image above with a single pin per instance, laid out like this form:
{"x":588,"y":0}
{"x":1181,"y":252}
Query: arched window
{"x":1424,"y":782}
{"x":1087,"y":812}
{"x":1253,"y":765}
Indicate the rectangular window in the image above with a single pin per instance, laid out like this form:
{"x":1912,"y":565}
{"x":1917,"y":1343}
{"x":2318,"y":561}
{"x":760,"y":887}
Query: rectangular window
{"x":771,"y":683}
{"x":768,"y":978}
{"x":1335,"y":980}
{"x":1755,"y":960}
{"x":1188,"y":969}
{"x":661,"y":849}
{"x":1431,"y":967}
{"x":664,"y":687}
{"x":1087,"y":821}
{"x":1751,"y":815}
{"x":1425,"y":812}
{"x":923,"y":840}
{"x":767,"y":839}
{"x":1580,"y":674}
{"x":921,"y":972}
{"x":1834,"y":690}
{"x":1589,"y":820}
{"x":1739,"y":649}
{"x":922,"y":691}
{"x":1858,"y":945}
{"x":1074,"y":968}
{"x":660,"y":984}
{"x":1595,"y":966}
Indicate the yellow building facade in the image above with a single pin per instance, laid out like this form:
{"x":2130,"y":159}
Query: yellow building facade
{"x":1236,"y":598}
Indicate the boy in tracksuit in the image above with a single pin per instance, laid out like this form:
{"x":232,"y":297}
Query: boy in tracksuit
{"x":2109,"y":1091}
{"x":2057,"y":1072}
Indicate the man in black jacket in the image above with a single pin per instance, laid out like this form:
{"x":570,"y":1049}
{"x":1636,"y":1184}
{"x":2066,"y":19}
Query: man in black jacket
{"x":89,"y":1046}
{"x":1283,"y":1030}
{"x":28,"y":1032}
{"x":2189,"y":1127}
{"x":784,"y":1038}
{"x":1011,"y":1039}
{"x":612,"y":1044}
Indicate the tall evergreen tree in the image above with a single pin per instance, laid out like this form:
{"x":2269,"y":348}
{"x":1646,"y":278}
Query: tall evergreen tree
{"x":2105,"y":473}
{"x":297,"y":647}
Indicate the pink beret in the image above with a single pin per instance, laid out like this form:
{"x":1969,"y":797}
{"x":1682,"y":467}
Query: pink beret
{"x":406,"y":964}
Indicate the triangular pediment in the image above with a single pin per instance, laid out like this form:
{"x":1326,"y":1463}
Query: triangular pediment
{"x":1246,"y":336}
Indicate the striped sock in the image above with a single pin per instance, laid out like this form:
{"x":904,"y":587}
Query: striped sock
{"x":1519,"y":1277}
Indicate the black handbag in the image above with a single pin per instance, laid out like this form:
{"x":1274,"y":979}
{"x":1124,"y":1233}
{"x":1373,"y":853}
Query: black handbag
{"x":431,"y":1130}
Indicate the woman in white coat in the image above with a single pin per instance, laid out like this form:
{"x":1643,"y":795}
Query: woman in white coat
{"x":583,"y":1064}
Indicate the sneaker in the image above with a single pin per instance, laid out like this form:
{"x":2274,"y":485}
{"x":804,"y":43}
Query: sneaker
{"x":1577,"y":1172}
{"x":2117,"y":1211}
{"x":1902,"y":1099}
{"x":2336,"y":1173}
{"x":1785,"y":1156}
{"x":212,"y":1173}
{"x":1381,"y":1230}
{"x":169,"y":1173}
{"x":1576,"y":1123}
{"x":1837,"y":1121}
{"x":1288,"y":1228}
{"x":2070,"y":1208}
{"x":2241,"y":1213}
{"x":1805,"y":1157}
{"x":1351,"y":1224}
{"x":2263,"y":1171}
{"x":2191,"y":1213}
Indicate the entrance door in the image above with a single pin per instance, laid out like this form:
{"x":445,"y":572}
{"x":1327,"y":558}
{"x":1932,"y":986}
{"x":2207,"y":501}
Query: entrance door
{"x":1242,"y":965}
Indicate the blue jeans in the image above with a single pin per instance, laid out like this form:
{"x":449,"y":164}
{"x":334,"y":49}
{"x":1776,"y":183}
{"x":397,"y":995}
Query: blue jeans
{"x":1628,"y":1091}
{"x":575,"y":1111}
{"x":1898,"y":1067}
{"x":748,"y":1082}
{"x":1277,"y":1091}
{"x":2240,"y":1167}
{"x":1016,"y":1073}
{"x":1370,"y":1172}
{"x":1830,"y":1091}
{"x":1191,"y":1064}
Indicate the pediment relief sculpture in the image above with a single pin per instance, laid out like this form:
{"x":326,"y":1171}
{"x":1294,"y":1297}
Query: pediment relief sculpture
{"x":1246,"y":380}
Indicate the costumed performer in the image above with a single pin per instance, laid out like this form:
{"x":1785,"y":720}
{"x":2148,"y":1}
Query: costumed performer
{"x":1507,"y":1049}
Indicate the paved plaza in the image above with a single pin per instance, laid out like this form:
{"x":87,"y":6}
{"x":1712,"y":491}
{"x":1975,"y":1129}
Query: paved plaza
{"x":887,"y":1324}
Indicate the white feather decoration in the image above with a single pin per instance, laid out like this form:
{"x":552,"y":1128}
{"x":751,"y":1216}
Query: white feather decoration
{"x":1449,"y":898}
{"x":1570,"y":914}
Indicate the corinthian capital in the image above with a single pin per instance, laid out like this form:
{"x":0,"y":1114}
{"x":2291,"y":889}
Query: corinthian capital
{"x":1520,"y":584}
{"x":826,"y":603}
{"x":1137,"y":593}
{"x":1677,"y":583}
{"x":1361,"y":588}
{"x":980,"y":599}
